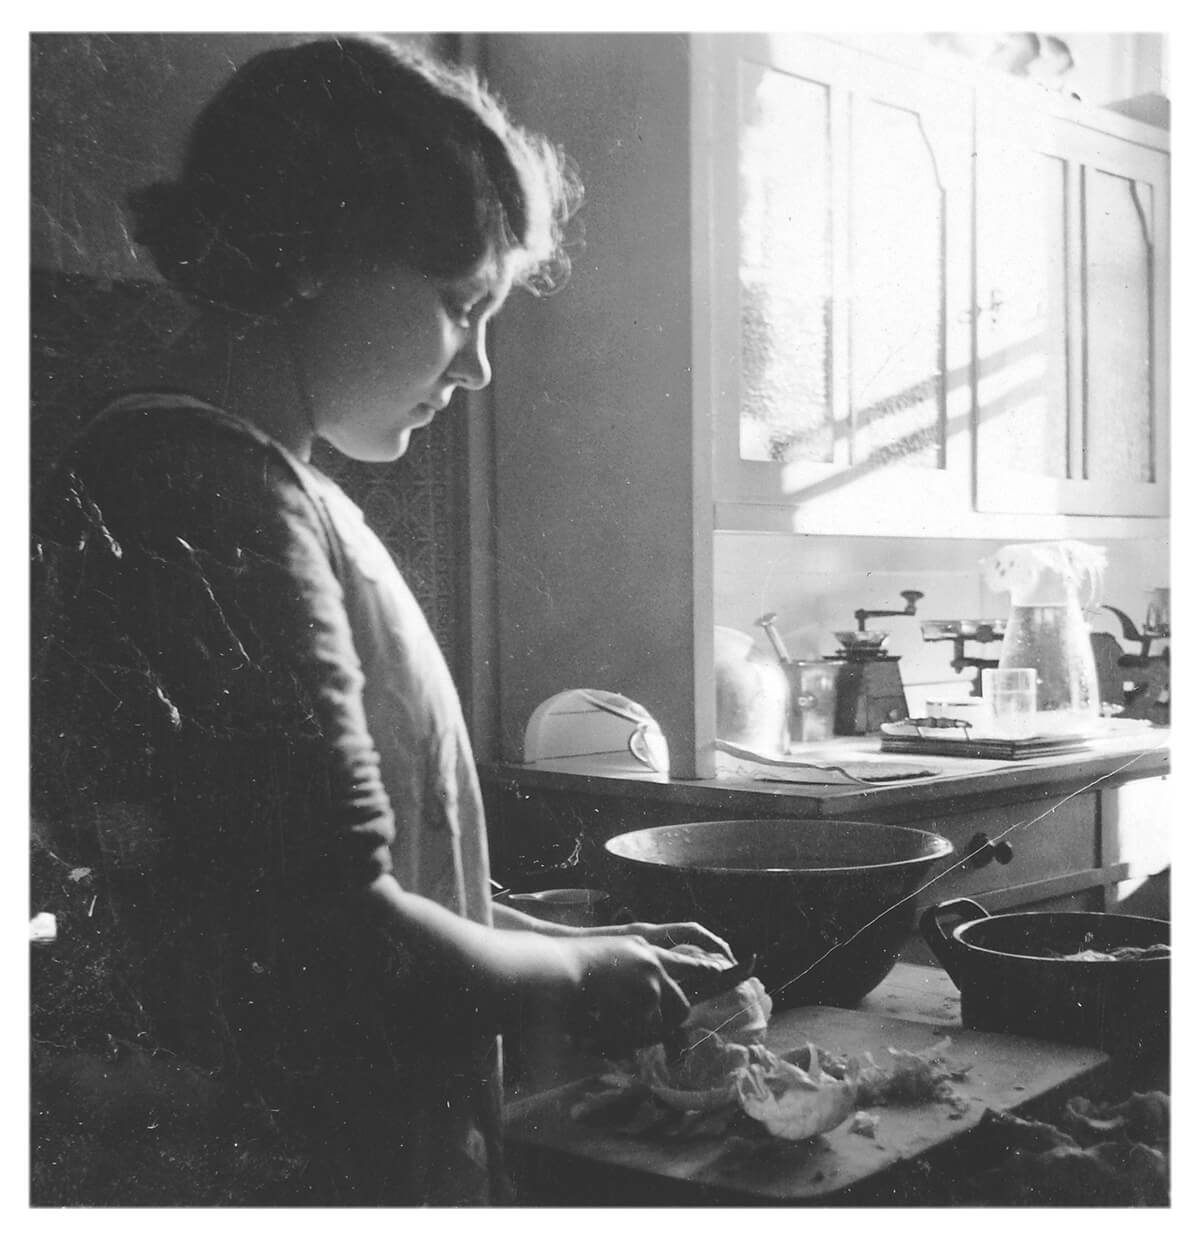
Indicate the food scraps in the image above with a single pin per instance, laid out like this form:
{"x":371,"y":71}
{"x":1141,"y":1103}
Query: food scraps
{"x":1102,"y":1155}
{"x":793,"y":1102}
{"x":914,"y":1077}
{"x":1156,"y":951}
{"x":715,"y":1071}
{"x":1144,"y":1118}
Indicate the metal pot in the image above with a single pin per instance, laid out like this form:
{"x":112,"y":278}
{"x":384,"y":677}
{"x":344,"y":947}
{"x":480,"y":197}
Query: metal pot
{"x":825,"y":905}
{"x":1012,"y":978}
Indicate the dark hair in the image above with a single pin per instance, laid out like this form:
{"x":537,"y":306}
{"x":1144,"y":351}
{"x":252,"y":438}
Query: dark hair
{"x":350,"y":149}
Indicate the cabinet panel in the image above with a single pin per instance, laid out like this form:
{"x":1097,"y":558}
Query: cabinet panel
{"x":1071,"y":321}
{"x":1022,"y":325}
{"x":785,"y":268}
{"x":1137,"y":826}
{"x":840,"y":366}
{"x":1117,"y":309}
{"x":1048,"y":841}
{"x":897,"y":283}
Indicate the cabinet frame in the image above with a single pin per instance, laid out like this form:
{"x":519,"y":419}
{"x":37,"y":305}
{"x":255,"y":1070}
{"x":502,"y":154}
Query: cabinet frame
{"x":921,"y":493}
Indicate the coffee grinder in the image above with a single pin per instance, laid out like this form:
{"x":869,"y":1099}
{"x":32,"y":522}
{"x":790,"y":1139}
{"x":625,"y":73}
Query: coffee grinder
{"x":870,"y":691}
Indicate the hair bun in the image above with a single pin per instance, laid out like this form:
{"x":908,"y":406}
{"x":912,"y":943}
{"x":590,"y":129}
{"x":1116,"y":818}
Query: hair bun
{"x":192,"y":254}
{"x":167,"y":223}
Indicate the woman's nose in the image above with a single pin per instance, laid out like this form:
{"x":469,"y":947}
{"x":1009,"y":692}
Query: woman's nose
{"x":471,"y":368}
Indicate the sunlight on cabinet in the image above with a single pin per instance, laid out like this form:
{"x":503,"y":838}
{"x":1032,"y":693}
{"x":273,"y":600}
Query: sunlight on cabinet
{"x":1119,"y":248}
{"x":784,"y":218}
{"x":897,"y":290}
{"x":840,"y":372}
{"x":947,"y":306}
{"x":1022,"y":328}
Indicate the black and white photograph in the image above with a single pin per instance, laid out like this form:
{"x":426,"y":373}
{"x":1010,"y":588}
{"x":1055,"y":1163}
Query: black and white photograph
{"x":599,"y":620}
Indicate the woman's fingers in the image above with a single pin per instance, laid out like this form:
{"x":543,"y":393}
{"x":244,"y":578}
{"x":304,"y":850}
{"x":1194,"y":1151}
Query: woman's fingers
{"x":685,"y":934}
{"x":633,"y":992}
{"x":673,"y":1006}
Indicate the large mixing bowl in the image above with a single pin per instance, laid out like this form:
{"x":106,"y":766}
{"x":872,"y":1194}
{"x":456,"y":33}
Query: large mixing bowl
{"x":825,"y":905}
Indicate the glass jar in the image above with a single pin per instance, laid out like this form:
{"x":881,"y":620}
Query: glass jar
{"x":1050,"y":584}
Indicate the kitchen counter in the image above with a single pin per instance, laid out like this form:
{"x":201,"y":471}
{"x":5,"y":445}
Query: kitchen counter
{"x":1086,"y":830}
{"x":961,"y":782}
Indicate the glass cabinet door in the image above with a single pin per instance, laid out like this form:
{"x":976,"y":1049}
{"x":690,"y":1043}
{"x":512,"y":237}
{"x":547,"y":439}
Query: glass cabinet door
{"x":785,"y":268}
{"x":845,"y":403}
{"x":896,"y":289}
{"x":1021,"y":324}
{"x":1071,"y":318}
{"x":1118,"y":291}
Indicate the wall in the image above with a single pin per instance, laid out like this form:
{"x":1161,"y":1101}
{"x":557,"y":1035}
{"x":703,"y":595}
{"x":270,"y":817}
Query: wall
{"x":110,"y":112}
{"x":816,"y":584}
{"x":592,"y":393}
{"x":1114,"y":67}
{"x":1109,"y":67}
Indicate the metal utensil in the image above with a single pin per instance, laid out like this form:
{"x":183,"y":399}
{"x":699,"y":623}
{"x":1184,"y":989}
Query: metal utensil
{"x":767,"y":624}
{"x":761,"y":759}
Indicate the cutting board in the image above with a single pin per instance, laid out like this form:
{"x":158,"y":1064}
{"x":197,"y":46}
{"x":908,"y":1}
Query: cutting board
{"x":1006,"y":1073}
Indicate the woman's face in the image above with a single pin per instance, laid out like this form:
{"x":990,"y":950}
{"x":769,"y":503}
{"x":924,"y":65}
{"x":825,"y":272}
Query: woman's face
{"x":380,"y":352}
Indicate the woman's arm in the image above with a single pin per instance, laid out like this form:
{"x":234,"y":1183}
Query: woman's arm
{"x":668,"y":934}
{"x":625,"y":990}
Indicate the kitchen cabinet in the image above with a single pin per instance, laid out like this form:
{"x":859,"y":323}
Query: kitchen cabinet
{"x":934,"y":299}
{"x":610,"y":453}
{"x":1071,"y":324}
{"x":842,"y":371}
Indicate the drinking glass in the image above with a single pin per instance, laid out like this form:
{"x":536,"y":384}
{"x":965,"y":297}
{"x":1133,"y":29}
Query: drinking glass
{"x":1011,"y":695}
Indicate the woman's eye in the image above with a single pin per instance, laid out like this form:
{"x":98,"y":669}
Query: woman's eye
{"x":460,"y":311}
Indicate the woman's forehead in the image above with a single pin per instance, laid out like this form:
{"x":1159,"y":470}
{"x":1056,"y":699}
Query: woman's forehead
{"x":493,"y":278}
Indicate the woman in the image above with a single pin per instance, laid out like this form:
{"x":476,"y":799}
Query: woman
{"x":255,"y":751}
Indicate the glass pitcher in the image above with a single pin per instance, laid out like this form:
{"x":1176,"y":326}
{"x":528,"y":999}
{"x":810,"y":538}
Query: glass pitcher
{"x":1051,"y":583}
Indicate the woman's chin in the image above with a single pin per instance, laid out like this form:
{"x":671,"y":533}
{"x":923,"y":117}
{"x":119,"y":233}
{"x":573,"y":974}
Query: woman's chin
{"x":375,"y":451}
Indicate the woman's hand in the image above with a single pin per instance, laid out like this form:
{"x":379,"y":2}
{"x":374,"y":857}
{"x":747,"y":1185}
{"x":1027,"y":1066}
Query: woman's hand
{"x":629,"y":992}
{"x":673,"y":934}
{"x":668,"y":935}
